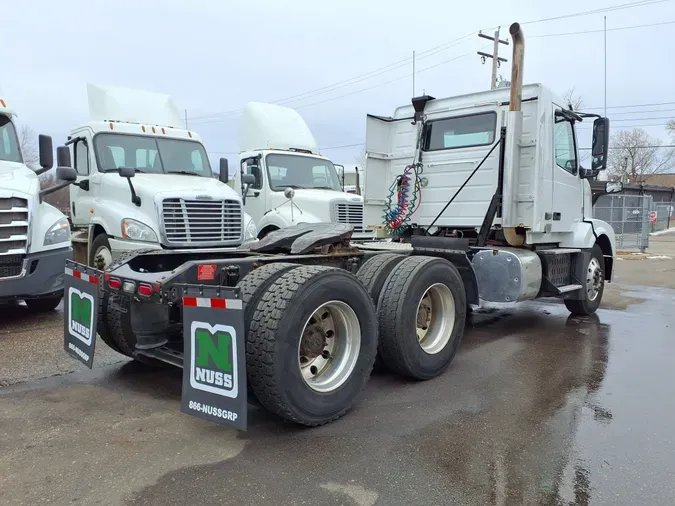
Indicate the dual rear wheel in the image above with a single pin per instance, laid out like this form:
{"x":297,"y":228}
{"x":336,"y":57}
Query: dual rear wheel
{"x":312,"y":331}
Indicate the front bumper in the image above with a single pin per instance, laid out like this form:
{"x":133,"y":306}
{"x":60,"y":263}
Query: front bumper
{"x":42,"y":276}
{"x":119,"y":247}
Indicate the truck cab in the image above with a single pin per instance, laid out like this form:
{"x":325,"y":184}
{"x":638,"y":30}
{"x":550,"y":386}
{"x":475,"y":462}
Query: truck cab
{"x":143,"y":182}
{"x":34,"y":236}
{"x":294,"y":183}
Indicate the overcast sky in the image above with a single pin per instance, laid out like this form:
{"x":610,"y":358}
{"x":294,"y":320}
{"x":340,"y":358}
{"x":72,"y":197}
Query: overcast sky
{"x":213,"y":56}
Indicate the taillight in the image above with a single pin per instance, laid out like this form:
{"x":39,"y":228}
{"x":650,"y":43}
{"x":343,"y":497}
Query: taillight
{"x":145,"y":290}
{"x":114,"y":283}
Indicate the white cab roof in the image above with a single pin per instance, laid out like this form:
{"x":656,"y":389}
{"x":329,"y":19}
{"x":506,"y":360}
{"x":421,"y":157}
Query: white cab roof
{"x":111,"y":103}
{"x":270,"y":126}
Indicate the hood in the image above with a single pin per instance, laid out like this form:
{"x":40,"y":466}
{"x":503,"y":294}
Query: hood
{"x":151,"y":185}
{"x":17,"y":177}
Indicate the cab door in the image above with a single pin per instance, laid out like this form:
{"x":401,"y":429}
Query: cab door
{"x":82,"y":191}
{"x":256,"y":198}
{"x":567,"y":209}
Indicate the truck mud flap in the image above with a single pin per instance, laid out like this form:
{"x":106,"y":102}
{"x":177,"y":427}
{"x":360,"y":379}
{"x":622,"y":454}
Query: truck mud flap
{"x":80,"y":308}
{"x":214,"y":358}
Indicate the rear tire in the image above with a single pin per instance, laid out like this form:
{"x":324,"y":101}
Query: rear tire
{"x":286,"y":328}
{"x":374,"y":271}
{"x":594,"y":285}
{"x":44,"y":304}
{"x":421,"y":312}
{"x":114,"y":325}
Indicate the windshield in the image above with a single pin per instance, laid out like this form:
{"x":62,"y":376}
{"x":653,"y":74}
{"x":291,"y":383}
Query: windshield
{"x":151,"y":154}
{"x":9,"y":143}
{"x":301,"y":172}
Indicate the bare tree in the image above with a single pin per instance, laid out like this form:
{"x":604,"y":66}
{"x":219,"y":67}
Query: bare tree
{"x":670,"y":127}
{"x":634,"y":156}
{"x":29,"y":147}
{"x":572,"y":99}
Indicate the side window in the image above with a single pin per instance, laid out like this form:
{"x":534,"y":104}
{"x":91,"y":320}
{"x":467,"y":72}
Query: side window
{"x":256,"y":172}
{"x":82,"y":158}
{"x":565,"y":152}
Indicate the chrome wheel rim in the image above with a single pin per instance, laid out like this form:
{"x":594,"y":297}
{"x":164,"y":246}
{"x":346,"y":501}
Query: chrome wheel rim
{"x":329,"y":346}
{"x":435,"y":318}
{"x":594,"y":279}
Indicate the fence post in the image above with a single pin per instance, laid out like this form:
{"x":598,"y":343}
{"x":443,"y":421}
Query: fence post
{"x":646,"y":209}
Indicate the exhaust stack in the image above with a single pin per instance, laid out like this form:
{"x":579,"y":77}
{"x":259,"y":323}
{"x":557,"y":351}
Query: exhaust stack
{"x":514,"y":128}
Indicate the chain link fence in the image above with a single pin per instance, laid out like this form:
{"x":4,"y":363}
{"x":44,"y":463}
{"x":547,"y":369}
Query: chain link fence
{"x":664,"y":216}
{"x":629,"y":217}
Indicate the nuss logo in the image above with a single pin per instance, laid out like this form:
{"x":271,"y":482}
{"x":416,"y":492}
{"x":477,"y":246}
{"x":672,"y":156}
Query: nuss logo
{"x":80,"y":314}
{"x":213,"y":361}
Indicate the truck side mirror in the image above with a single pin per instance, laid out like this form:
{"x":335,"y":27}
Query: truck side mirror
{"x":63,"y":157}
{"x":600,"y":144}
{"x":127,"y":172}
{"x":613,"y":187}
{"x":66,"y":174}
{"x":224,"y":174}
{"x":46,"y":150}
{"x":247,"y":179}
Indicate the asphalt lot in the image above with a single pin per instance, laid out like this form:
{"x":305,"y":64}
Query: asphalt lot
{"x":537,"y":408}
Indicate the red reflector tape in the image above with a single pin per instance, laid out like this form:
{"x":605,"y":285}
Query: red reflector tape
{"x":81,"y":275}
{"x":212,"y":303}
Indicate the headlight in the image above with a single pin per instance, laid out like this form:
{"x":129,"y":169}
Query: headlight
{"x":251,"y":232}
{"x":58,"y":232}
{"x":137,"y":231}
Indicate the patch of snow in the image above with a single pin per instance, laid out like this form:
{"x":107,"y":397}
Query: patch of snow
{"x":659,"y":257}
{"x":670,"y":230}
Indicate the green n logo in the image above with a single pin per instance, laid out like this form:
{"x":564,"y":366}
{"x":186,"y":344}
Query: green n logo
{"x":213,"y":348}
{"x":80,"y":309}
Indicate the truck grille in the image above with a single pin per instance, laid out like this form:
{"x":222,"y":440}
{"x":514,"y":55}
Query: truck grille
{"x":349,"y":213}
{"x":13,"y":235}
{"x":201,"y":222}
{"x":10,"y":265}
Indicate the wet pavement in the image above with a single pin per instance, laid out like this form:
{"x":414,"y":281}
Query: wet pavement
{"x":537,"y":408}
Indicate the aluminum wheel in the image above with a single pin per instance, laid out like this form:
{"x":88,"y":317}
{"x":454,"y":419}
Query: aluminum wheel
{"x":594,"y":279}
{"x":329,"y":346}
{"x":435,"y":318}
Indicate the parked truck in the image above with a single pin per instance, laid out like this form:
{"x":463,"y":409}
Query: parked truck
{"x":144,"y":182}
{"x":280,"y":152}
{"x":295,"y":320}
{"x":34,"y":236}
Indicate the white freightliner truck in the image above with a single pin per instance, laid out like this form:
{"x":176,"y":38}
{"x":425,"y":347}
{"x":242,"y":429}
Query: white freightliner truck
{"x":280,"y":152}
{"x":144,"y":182}
{"x":34,"y":236}
{"x":296,"y":319}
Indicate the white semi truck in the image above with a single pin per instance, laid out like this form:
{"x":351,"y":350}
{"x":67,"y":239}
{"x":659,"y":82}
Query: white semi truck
{"x":34,"y":236}
{"x":296,"y":319}
{"x":280,"y":152}
{"x":144,"y":182}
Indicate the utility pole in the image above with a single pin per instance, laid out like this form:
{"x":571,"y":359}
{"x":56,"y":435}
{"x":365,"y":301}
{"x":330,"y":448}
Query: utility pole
{"x":605,"y":66}
{"x":496,"y":59}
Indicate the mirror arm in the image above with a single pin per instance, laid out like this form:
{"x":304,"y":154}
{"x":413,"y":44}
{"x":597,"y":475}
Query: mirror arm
{"x":53,"y":189}
{"x":135,"y":199}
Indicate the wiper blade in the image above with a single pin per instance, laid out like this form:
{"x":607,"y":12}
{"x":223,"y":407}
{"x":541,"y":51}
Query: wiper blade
{"x":117,"y":170}
{"x":323,"y":188}
{"x":186,"y":172}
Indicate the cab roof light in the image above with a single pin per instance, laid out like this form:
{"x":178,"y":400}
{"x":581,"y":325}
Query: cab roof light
{"x":2,"y":101}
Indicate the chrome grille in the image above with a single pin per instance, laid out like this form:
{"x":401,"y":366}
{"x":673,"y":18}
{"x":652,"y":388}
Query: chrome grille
{"x":13,"y":235}
{"x":349,"y":213}
{"x":201,"y":222}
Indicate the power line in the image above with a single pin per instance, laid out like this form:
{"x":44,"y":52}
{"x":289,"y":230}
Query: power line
{"x":429,"y":52}
{"x":600,"y":31}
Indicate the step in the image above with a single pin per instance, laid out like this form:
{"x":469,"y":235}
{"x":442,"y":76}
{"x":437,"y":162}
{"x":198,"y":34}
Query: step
{"x":557,"y":251}
{"x":569,"y":288}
